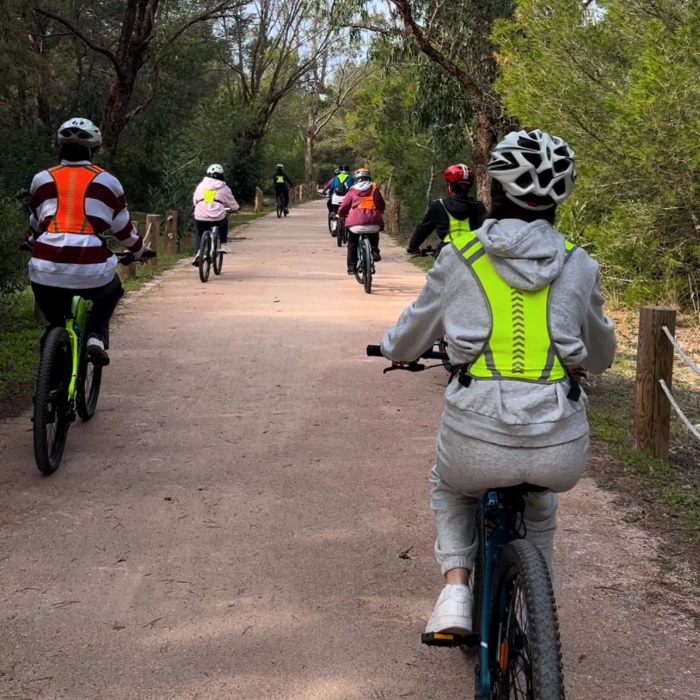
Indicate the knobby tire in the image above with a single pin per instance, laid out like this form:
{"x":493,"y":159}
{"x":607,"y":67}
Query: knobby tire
{"x":534,"y":663}
{"x":367,"y":259}
{"x":89,"y":378}
{"x":51,"y":421}
{"x":205,"y":257}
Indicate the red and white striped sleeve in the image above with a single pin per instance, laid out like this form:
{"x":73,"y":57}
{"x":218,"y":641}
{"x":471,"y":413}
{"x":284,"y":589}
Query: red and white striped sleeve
{"x":104,"y":202}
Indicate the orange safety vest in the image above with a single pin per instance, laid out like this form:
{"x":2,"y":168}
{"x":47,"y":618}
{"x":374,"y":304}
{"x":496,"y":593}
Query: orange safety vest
{"x":71,"y":187}
{"x":367,"y":201}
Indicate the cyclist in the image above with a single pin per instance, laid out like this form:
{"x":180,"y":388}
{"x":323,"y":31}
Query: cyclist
{"x":211,"y":200}
{"x":522,"y":309}
{"x":340,"y":186}
{"x":458,"y":206}
{"x":282,"y":183}
{"x":362,"y":209}
{"x":71,"y":205}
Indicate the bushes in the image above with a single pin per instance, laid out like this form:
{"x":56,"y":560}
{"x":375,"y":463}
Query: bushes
{"x":13,"y":262}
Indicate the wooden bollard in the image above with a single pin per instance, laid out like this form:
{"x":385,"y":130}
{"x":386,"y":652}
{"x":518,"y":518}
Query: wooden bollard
{"x":258,"y":199}
{"x":171,"y":231}
{"x":153,"y":231}
{"x":652,"y":410}
{"x":395,"y":221}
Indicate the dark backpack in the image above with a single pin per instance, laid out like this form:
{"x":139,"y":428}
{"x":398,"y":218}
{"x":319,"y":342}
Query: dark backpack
{"x":342,"y":189}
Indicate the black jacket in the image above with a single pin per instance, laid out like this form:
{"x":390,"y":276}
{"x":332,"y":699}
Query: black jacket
{"x":436,"y":218}
{"x":287,"y":181}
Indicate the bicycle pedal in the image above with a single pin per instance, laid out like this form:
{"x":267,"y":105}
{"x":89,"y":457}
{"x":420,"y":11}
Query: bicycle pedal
{"x":444,"y":639}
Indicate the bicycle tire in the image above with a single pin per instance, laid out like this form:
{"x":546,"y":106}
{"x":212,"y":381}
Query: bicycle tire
{"x":217,"y":257}
{"x":359,"y":265}
{"x":51,"y":400}
{"x":205,"y":257}
{"x":279,"y":207}
{"x":89,"y":376}
{"x":367,"y":274}
{"x":339,"y":234}
{"x":522,"y":578}
{"x":330,"y":222}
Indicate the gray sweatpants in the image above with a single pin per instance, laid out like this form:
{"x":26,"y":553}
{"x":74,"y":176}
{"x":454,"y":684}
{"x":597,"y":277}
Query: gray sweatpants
{"x":467,"y":467}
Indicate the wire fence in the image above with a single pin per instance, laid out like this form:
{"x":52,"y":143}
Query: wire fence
{"x":664,"y":387}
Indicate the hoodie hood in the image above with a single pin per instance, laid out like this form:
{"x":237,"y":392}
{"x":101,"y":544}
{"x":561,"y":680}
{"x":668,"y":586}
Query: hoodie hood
{"x":212,"y":183}
{"x":527,"y":256}
{"x":363,"y":186}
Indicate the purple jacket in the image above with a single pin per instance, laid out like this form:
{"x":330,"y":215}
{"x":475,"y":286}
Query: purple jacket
{"x":363,"y":205}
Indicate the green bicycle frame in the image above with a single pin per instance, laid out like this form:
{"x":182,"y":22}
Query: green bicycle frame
{"x":78,"y":316}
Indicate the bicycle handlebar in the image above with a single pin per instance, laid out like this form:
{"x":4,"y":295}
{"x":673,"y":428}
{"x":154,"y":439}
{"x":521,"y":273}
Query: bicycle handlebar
{"x":376,"y":351}
{"x":127,"y":257}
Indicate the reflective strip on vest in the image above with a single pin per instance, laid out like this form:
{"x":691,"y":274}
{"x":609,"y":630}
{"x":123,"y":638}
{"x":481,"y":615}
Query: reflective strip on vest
{"x":519,"y":346}
{"x":457,"y":227}
{"x":71,"y":186}
{"x":279,"y":179}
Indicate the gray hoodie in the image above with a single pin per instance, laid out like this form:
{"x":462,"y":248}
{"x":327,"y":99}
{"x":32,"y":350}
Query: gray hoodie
{"x":508,"y":412}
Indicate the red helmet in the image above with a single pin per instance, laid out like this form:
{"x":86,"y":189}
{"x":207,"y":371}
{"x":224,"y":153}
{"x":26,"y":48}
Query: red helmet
{"x":458,"y":174}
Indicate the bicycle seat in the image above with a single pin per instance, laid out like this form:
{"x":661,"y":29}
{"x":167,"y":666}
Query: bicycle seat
{"x":521,"y":490}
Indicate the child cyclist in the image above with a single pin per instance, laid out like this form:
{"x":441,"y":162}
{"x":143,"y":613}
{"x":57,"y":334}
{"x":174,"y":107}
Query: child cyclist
{"x":212,"y":199}
{"x":521,"y":308}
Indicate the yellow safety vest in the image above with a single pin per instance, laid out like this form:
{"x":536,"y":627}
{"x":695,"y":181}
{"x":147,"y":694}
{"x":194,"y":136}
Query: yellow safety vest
{"x":457,"y":227}
{"x":520,"y":345}
{"x":279,"y":179}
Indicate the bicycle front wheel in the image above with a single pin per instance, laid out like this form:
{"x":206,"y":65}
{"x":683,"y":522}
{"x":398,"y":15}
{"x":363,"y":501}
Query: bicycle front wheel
{"x":339,"y":233}
{"x":525,"y":645}
{"x":279,"y":207}
{"x":367,"y":260}
{"x":205,"y":257}
{"x":51,"y":404}
{"x":89,"y":379}
{"x":217,"y":257}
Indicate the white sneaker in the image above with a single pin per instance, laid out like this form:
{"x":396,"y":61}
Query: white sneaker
{"x":453,"y":611}
{"x":223,"y":248}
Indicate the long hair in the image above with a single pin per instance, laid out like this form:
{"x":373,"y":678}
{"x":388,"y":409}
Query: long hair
{"x":74,"y":152}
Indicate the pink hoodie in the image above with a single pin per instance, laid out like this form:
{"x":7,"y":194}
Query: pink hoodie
{"x":211,"y":198}
{"x":357,"y":212}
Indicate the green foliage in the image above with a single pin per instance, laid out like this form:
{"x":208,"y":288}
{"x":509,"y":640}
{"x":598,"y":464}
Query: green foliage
{"x":13,"y":263}
{"x":621,"y":86}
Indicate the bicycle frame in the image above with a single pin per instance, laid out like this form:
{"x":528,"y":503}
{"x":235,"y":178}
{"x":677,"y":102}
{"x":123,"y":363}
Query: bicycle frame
{"x":497,"y":531}
{"x":78,"y":317}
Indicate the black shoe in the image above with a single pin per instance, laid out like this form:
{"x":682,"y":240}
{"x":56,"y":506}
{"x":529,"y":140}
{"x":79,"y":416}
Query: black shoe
{"x":351,"y":270}
{"x":376,"y":256}
{"x":334,"y":234}
{"x":195,"y":262}
{"x":97,"y":353}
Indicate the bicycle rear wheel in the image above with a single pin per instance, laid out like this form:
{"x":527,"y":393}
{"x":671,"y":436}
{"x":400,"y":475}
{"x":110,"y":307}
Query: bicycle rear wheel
{"x":339,"y":232}
{"x":360,"y":264}
{"x":525,"y":645}
{"x":217,"y":256}
{"x":51,"y":405}
{"x":89,"y":378}
{"x":205,"y":257}
{"x":367,"y":259}
{"x":280,"y":207}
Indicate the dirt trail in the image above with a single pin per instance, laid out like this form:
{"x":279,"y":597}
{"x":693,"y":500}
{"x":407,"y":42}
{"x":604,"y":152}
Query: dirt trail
{"x":231,"y":524}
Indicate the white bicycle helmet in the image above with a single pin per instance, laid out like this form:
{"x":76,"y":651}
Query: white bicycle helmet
{"x":80,"y":131}
{"x":215,"y":170}
{"x":535,"y":169}
{"x":280,"y":166}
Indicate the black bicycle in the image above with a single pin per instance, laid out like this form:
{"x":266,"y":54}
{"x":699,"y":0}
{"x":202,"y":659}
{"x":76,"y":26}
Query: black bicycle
{"x":364,"y":268}
{"x":516,"y":628}
{"x":67,"y":382}
{"x":341,"y":231}
{"x":281,"y":209}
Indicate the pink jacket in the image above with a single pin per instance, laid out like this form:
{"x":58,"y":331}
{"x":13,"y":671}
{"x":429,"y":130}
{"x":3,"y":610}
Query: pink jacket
{"x":356,"y":212}
{"x":211,"y":198}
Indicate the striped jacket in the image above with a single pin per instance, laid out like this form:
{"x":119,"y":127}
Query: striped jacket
{"x":70,"y":206}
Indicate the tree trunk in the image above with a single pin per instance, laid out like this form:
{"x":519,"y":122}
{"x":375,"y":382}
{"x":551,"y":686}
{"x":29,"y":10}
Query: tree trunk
{"x":115,"y":115}
{"x":309,"y":158}
{"x":484,"y":141}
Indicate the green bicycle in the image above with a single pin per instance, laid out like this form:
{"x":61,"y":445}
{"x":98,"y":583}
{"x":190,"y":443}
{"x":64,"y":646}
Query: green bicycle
{"x":67,"y":383}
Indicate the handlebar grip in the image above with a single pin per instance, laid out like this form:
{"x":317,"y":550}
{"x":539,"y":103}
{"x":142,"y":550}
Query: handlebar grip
{"x":148,"y":254}
{"x":25,"y":247}
{"x":435,"y":355}
{"x":374,"y":351}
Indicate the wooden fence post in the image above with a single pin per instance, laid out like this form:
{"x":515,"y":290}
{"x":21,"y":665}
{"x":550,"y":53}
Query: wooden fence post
{"x":258,"y":199}
{"x":171,"y":231}
{"x":395,"y":221}
{"x":153,"y":232}
{"x":652,"y":410}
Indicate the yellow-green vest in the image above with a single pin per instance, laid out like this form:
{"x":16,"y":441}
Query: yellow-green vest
{"x":279,"y":179}
{"x":520,"y":345}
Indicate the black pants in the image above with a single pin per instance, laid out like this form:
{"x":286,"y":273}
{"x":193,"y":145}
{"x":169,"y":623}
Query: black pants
{"x":203,"y":226}
{"x":352,"y":246}
{"x":55,"y":304}
{"x":284,"y":191}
